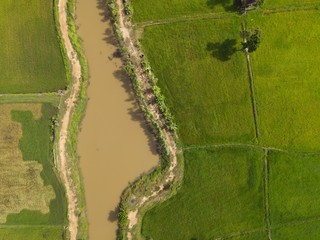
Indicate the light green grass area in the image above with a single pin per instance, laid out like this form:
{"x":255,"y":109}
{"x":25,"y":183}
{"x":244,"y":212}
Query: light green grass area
{"x":221,"y":194}
{"x":30,"y":233}
{"x":202,"y":73}
{"x":306,"y":231}
{"x":31,"y":59}
{"x":294,"y":187}
{"x":36,"y":144}
{"x":260,"y":235}
{"x":288,"y":3}
{"x":286,"y":75}
{"x":145,"y":10}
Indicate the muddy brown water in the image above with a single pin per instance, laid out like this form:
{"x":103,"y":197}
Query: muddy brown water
{"x":115,"y":146}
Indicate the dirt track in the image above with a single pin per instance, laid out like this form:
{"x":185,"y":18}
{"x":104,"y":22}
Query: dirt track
{"x":70,"y":103}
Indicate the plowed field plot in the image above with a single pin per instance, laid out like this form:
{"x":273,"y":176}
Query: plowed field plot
{"x":32,"y":201}
{"x":31,"y":59}
{"x":269,"y":156}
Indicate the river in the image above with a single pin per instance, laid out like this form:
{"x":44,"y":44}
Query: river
{"x":114,"y":146}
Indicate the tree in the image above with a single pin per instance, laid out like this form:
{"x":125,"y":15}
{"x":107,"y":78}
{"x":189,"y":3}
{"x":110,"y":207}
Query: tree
{"x":251,"y":39}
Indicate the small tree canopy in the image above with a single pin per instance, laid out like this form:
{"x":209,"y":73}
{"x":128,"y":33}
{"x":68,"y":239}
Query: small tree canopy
{"x":253,"y":39}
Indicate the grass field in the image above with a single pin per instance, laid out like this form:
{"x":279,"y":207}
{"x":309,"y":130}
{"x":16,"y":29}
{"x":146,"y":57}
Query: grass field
{"x":294,"y":196}
{"x":31,"y":59}
{"x":286,"y":73}
{"x":203,"y":76}
{"x":221,"y":194}
{"x":205,"y":81}
{"x":31,"y":194}
{"x":145,"y":10}
{"x":288,"y":3}
{"x":306,"y":231}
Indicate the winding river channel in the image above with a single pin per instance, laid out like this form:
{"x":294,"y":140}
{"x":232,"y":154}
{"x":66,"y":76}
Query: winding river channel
{"x":114,"y":144}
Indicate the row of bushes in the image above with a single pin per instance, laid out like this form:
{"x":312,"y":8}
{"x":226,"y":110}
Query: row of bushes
{"x":145,"y":183}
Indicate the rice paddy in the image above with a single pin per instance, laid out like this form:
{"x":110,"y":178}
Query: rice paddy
{"x":227,"y":144}
{"x":31,"y":57}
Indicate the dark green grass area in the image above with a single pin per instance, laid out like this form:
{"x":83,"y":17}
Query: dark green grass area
{"x":221,"y":194}
{"x":145,"y":10}
{"x":30,"y":233}
{"x":286,"y":75}
{"x":306,"y":231}
{"x":202,"y":73}
{"x":294,"y":187}
{"x":36,"y":144}
{"x":31,"y":59}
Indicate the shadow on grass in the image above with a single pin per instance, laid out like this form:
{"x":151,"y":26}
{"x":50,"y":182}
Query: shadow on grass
{"x":228,"y":5}
{"x":223,"y":51}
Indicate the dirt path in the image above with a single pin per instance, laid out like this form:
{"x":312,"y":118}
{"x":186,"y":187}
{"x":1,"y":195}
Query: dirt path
{"x":70,"y":103}
{"x":126,"y":30}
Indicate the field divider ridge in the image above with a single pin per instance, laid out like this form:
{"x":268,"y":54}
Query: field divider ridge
{"x":185,"y":18}
{"x":266,"y":194}
{"x":286,"y":9}
{"x":30,"y":226}
{"x":251,"y":84}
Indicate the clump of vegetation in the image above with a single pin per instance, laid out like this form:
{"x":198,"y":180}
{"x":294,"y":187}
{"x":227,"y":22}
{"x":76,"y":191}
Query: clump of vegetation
{"x":252,"y":39}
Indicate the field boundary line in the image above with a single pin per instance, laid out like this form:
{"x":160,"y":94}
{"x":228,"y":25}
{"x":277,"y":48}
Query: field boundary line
{"x":31,"y":226}
{"x":297,"y":223}
{"x":250,"y":146}
{"x":221,"y":146}
{"x":266,"y":194}
{"x":285,"y":9}
{"x":185,"y":18}
{"x":239,"y":234}
{"x":251,"y":83}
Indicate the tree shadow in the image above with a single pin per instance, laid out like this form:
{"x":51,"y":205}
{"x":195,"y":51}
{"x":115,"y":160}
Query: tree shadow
{"x":135,"y":111}
{"x":223,"y":51}
{"x":113,"y":215}
{"x":105,"y":14}
{"x":228,"y":5}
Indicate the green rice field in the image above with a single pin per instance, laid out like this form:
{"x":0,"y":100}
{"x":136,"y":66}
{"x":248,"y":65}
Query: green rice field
{"x":193,"y":66}
{"x":212,"y":203}
{"x":146,"y":10}
{"x":31,"y":58}
{"x":249,"y":175}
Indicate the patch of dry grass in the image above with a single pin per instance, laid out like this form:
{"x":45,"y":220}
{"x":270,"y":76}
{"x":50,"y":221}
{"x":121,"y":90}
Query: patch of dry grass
{"x":21,"y":186}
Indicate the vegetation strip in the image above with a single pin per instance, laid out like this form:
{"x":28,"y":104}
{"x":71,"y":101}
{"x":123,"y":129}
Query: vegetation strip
{"x":266,"y":193}
{"x":31,"y":226}
{"x":64,"y":165}
{"x":184,"y":19}
{"x":252,"y":93}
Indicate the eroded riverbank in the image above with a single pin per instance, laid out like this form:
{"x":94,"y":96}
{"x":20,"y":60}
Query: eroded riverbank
{"x":114,"y":146}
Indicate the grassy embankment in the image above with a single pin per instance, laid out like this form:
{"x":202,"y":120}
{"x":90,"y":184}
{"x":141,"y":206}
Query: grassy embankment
{"x":286,"y":95}
{"x":75,"y":122}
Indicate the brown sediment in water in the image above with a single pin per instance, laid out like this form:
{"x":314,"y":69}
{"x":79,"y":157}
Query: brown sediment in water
{"x":114,"y":146}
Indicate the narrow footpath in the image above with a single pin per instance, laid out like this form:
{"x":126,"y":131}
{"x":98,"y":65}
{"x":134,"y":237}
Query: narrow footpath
{"x":63,"y":135}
